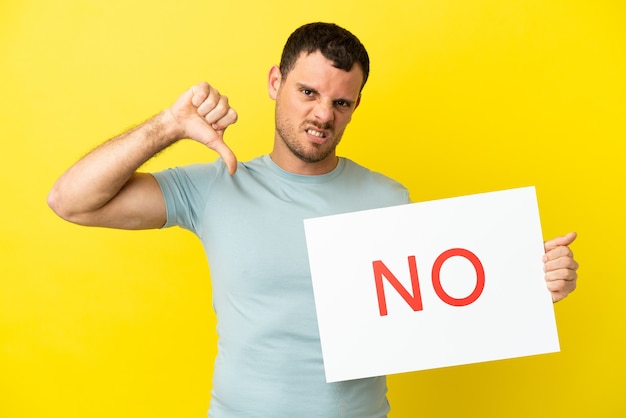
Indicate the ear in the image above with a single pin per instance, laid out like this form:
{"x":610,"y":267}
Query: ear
{"x":273,"y":81}
{"x":358,"y":102}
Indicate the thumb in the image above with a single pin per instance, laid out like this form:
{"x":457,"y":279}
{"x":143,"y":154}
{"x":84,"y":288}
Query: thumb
{"x":560,"y":241}
{"x":227,"y":155}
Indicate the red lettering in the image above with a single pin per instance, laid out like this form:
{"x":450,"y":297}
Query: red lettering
{"x":480,"y":277}
{"x":415,"y":300}
{"x":380,"y":270}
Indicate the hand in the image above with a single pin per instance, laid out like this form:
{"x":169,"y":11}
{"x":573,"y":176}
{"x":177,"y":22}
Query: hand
{"x":560,"y":266}
{"x":203,"y":114}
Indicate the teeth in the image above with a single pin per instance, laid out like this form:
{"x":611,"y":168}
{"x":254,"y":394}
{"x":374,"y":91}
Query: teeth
{"x":315,"y":133}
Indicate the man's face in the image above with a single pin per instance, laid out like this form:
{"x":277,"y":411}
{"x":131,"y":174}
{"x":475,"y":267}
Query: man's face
{"x":314,"y":104}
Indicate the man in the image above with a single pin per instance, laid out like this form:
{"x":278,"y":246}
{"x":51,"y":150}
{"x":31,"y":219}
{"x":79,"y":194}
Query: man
{"x":249,"y":218}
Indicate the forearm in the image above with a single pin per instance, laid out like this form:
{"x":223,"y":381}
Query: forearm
{"x":98,"y":177}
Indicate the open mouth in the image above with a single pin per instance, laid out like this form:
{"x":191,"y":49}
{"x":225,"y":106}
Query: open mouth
{"x":316,"y":133}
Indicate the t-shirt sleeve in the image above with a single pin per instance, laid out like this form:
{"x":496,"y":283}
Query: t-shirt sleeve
{"x":186,"y":190}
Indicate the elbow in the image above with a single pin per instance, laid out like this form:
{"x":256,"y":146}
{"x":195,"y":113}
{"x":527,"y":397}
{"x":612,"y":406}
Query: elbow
{"x":59,"y":205}
{"x":55,"y":202}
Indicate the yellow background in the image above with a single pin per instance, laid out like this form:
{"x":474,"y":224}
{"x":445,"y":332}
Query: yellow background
{"x":464,"y":97}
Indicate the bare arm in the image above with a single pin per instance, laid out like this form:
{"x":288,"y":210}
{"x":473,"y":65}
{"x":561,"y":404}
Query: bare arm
{"x":104,"y":189}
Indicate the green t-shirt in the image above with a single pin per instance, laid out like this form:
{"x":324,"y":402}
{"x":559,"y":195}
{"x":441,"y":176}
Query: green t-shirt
{"x":269,"y":361}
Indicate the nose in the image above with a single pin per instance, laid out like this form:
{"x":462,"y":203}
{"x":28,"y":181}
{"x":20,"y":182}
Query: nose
{"x":324,"y":112}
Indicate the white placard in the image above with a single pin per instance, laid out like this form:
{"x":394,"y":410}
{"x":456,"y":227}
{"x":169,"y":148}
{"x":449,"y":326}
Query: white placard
{"x":431,"y":284}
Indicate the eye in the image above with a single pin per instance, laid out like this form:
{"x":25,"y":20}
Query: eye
{"x":307,"y":92}
{"x":342,"y":103}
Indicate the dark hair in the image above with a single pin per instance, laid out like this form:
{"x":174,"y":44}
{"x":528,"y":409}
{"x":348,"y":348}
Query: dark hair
{"x":334,"y":42}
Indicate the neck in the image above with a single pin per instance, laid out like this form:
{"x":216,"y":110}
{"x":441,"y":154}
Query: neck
{"x":289,"y":161}
{"x":295,"y":165}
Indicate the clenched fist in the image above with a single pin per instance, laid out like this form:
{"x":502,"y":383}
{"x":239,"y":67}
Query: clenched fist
{"x":203,"y":114}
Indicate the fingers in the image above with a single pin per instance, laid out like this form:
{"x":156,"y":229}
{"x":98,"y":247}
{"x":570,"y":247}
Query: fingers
{"x":561,"y":283}
{"x":199,"y":93}
{"x":560,"y":267}
{"x":213,"y":106}
{"x":560,"y":289}
{"x":560,"y":241}
{"x":222,"y":116}
{"x":562,"y":274}
{"x":558,"y":254}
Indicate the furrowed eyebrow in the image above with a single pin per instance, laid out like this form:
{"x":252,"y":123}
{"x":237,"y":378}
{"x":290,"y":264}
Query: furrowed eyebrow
{"x":305,"y":87}
{"x":350,"y":103}
{"x":301,"y":86}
